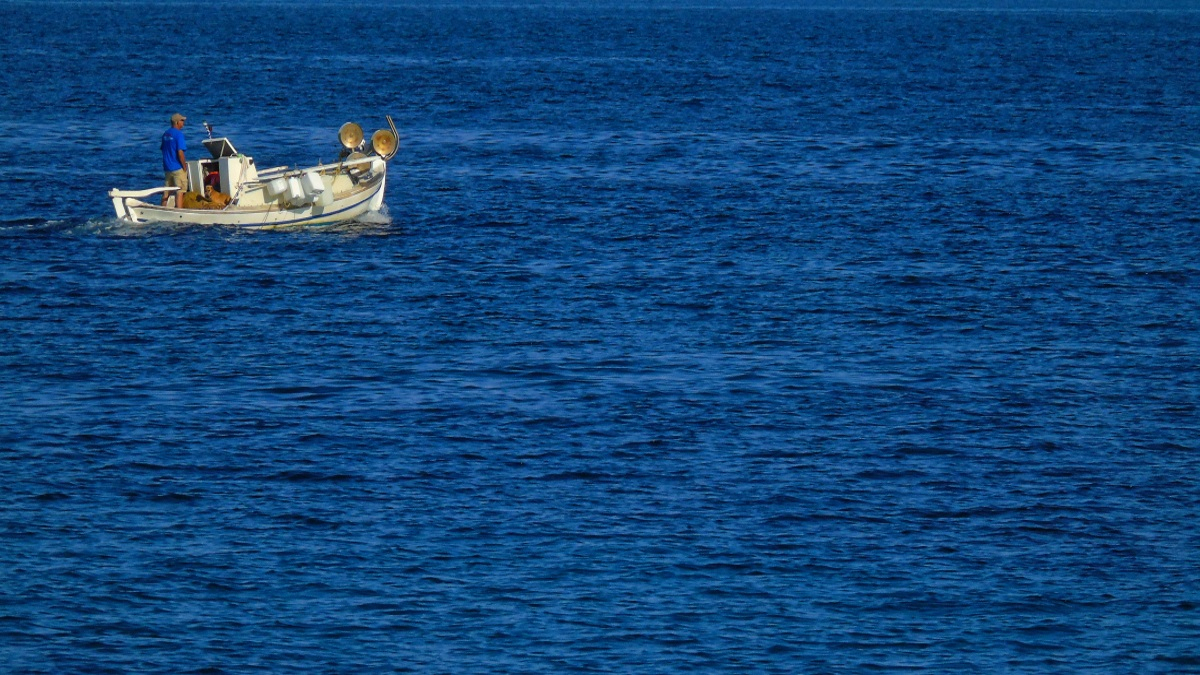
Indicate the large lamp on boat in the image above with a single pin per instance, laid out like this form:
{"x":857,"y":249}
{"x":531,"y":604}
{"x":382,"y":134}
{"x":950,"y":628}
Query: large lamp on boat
{"x":356,"y":164}
{"x":383,"y":142}
{"x":351,"y":135}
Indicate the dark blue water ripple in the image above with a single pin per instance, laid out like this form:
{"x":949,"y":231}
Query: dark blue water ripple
{"x":758,"y":339}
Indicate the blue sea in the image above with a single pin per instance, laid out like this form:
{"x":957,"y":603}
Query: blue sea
{"x":716,"y":337}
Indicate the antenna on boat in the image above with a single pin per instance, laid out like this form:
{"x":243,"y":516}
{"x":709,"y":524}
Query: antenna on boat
{"x":208,"y":127}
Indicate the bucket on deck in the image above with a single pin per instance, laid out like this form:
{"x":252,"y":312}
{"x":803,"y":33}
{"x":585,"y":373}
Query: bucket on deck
{"x":311,"y":183}
{"x":326,"y":196}
{"x":295,"y":193}
{"x":277,"y":187}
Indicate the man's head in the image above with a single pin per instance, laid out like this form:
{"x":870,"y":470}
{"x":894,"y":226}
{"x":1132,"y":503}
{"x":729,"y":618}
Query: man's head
{"x":177,"y":120}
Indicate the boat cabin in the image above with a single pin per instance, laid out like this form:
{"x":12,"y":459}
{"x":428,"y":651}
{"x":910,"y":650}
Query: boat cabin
{"x":225,"y":171}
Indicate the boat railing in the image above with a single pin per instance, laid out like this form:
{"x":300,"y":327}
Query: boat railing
{"x":140,"y":194}
{"x":268,"y":175}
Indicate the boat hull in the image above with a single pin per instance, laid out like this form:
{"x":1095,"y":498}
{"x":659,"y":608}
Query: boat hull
{"x":367,"y":198}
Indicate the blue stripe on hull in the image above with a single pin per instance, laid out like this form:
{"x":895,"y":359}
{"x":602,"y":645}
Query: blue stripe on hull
{"x":301,"y":221}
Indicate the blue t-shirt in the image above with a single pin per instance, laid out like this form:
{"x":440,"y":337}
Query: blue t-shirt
{"x":172,"y":140}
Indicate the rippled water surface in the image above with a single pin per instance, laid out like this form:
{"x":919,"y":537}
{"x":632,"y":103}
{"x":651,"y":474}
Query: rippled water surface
{"x":727,"y":339}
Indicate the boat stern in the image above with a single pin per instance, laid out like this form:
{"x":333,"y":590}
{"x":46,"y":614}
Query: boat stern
{"x":126,"y":201}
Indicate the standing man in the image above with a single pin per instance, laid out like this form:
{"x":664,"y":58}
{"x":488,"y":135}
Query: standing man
{"x":174,"y":164}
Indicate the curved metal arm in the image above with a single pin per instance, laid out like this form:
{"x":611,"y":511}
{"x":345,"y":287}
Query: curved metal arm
{"x":392,"y":126}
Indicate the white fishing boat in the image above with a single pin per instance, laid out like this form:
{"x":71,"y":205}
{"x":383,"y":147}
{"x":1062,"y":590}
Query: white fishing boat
{"x":240,"y":194}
